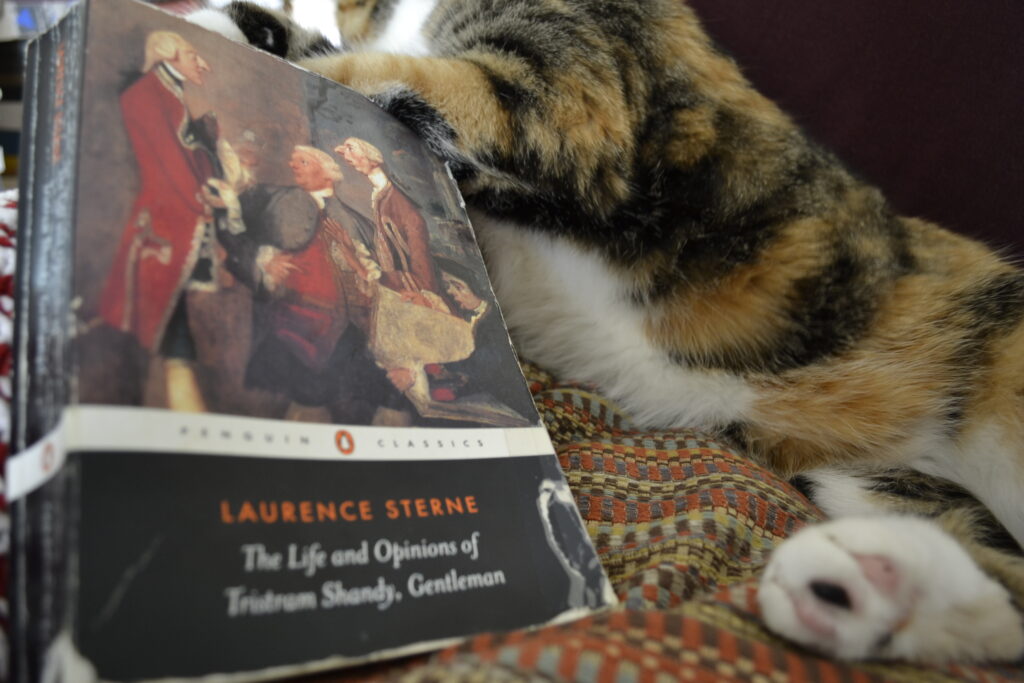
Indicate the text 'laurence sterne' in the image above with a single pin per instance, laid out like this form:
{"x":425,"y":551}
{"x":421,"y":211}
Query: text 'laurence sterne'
{"x":313,"y":511}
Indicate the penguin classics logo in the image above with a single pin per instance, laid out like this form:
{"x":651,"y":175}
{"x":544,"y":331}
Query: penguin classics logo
{"x":344,"y":442}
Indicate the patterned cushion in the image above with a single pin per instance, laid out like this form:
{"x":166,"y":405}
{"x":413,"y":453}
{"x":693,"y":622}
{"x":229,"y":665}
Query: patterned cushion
{"x":683,"y":525}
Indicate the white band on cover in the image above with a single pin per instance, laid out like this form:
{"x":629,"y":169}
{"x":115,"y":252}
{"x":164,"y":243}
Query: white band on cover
{"x":152,"y":430}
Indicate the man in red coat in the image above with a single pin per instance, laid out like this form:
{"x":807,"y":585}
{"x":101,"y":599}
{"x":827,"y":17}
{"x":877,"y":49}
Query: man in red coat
{"x":401,"y":244}
{"x":308,"y":339}
{"x":167,"y":244}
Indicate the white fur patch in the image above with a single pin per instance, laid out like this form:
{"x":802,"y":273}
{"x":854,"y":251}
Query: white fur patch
{"x":569,"y":312}
{"x":318,"y":15}
{"x":404,"y":32}
{"x":985,"y":462}
{"x":839,"y":494}
{"x":933,"y":604}
{"x":218,"y":22}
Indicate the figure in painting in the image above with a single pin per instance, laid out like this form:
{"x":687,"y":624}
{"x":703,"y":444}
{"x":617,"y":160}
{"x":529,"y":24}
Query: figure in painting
{"x":301,"y":250}
{"x":401,"y":243}
{"x":167,"y":246}
{"x":484,"y":376}
{"x":334,"y":290}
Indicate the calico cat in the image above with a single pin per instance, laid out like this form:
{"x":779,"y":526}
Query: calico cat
{"x":628,"y":186}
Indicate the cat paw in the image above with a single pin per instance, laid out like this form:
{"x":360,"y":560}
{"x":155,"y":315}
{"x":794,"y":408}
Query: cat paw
{"x":887,"y":588}
{"x":428,"y":123}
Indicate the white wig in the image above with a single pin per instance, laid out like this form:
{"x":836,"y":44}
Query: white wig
{"x":163,"y":46}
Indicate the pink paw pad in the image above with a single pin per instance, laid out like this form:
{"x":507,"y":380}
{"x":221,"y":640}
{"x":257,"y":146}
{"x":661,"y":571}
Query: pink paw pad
{"x":881,"y":572}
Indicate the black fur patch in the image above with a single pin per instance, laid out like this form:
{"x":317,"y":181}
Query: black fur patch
{"x":994,"y":535}
{"x":319,"y":46}
{"x":411,"y":109}
{"x":998,"y":305}
{"x":884,"y":641}
{"x":804,"y":485}
{"x":261,"y":28}
{"x":909,"y":484}
{"x":513,"y":96}
{"x":992,"y":309}
{"x":735,"y":433}
{"x":944,"y":495}
{"x":527,"y":51}
{"x":831,"y":309}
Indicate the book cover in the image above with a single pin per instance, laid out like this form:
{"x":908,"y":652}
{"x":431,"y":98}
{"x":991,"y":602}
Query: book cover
{"x":267,"y":415}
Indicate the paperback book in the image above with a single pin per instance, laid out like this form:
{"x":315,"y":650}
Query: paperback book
{"x":267,"y":418}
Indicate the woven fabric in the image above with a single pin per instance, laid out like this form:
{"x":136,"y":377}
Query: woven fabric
{"x":683,"y":525}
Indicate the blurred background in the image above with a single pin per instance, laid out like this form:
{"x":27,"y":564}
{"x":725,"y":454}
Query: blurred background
{"x":21,"y":20}
{"x":923,"y":99}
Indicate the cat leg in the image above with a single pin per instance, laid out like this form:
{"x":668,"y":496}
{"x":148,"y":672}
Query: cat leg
{"x":516,"y":133}
{"x":888,"y":587}
{"x":988,"y":461}
{"x":445,"y":101}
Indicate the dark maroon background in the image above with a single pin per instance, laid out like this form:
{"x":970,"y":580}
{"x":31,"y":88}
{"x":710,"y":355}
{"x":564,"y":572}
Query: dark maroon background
{"x":923,"y":98}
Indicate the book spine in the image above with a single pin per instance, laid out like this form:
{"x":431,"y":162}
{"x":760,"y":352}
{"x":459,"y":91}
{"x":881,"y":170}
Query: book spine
{"x":26,"y":217}
{"x":43,"y":520}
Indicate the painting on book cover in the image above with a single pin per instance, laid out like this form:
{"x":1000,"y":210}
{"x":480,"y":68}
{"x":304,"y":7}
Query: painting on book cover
{"x":272,"y":245}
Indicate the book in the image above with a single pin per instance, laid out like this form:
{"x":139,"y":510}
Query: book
{"x":267,"y":418}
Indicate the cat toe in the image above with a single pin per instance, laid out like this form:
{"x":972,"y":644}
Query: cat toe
{"x":890,"y":588}
{"x":817,"y":593}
